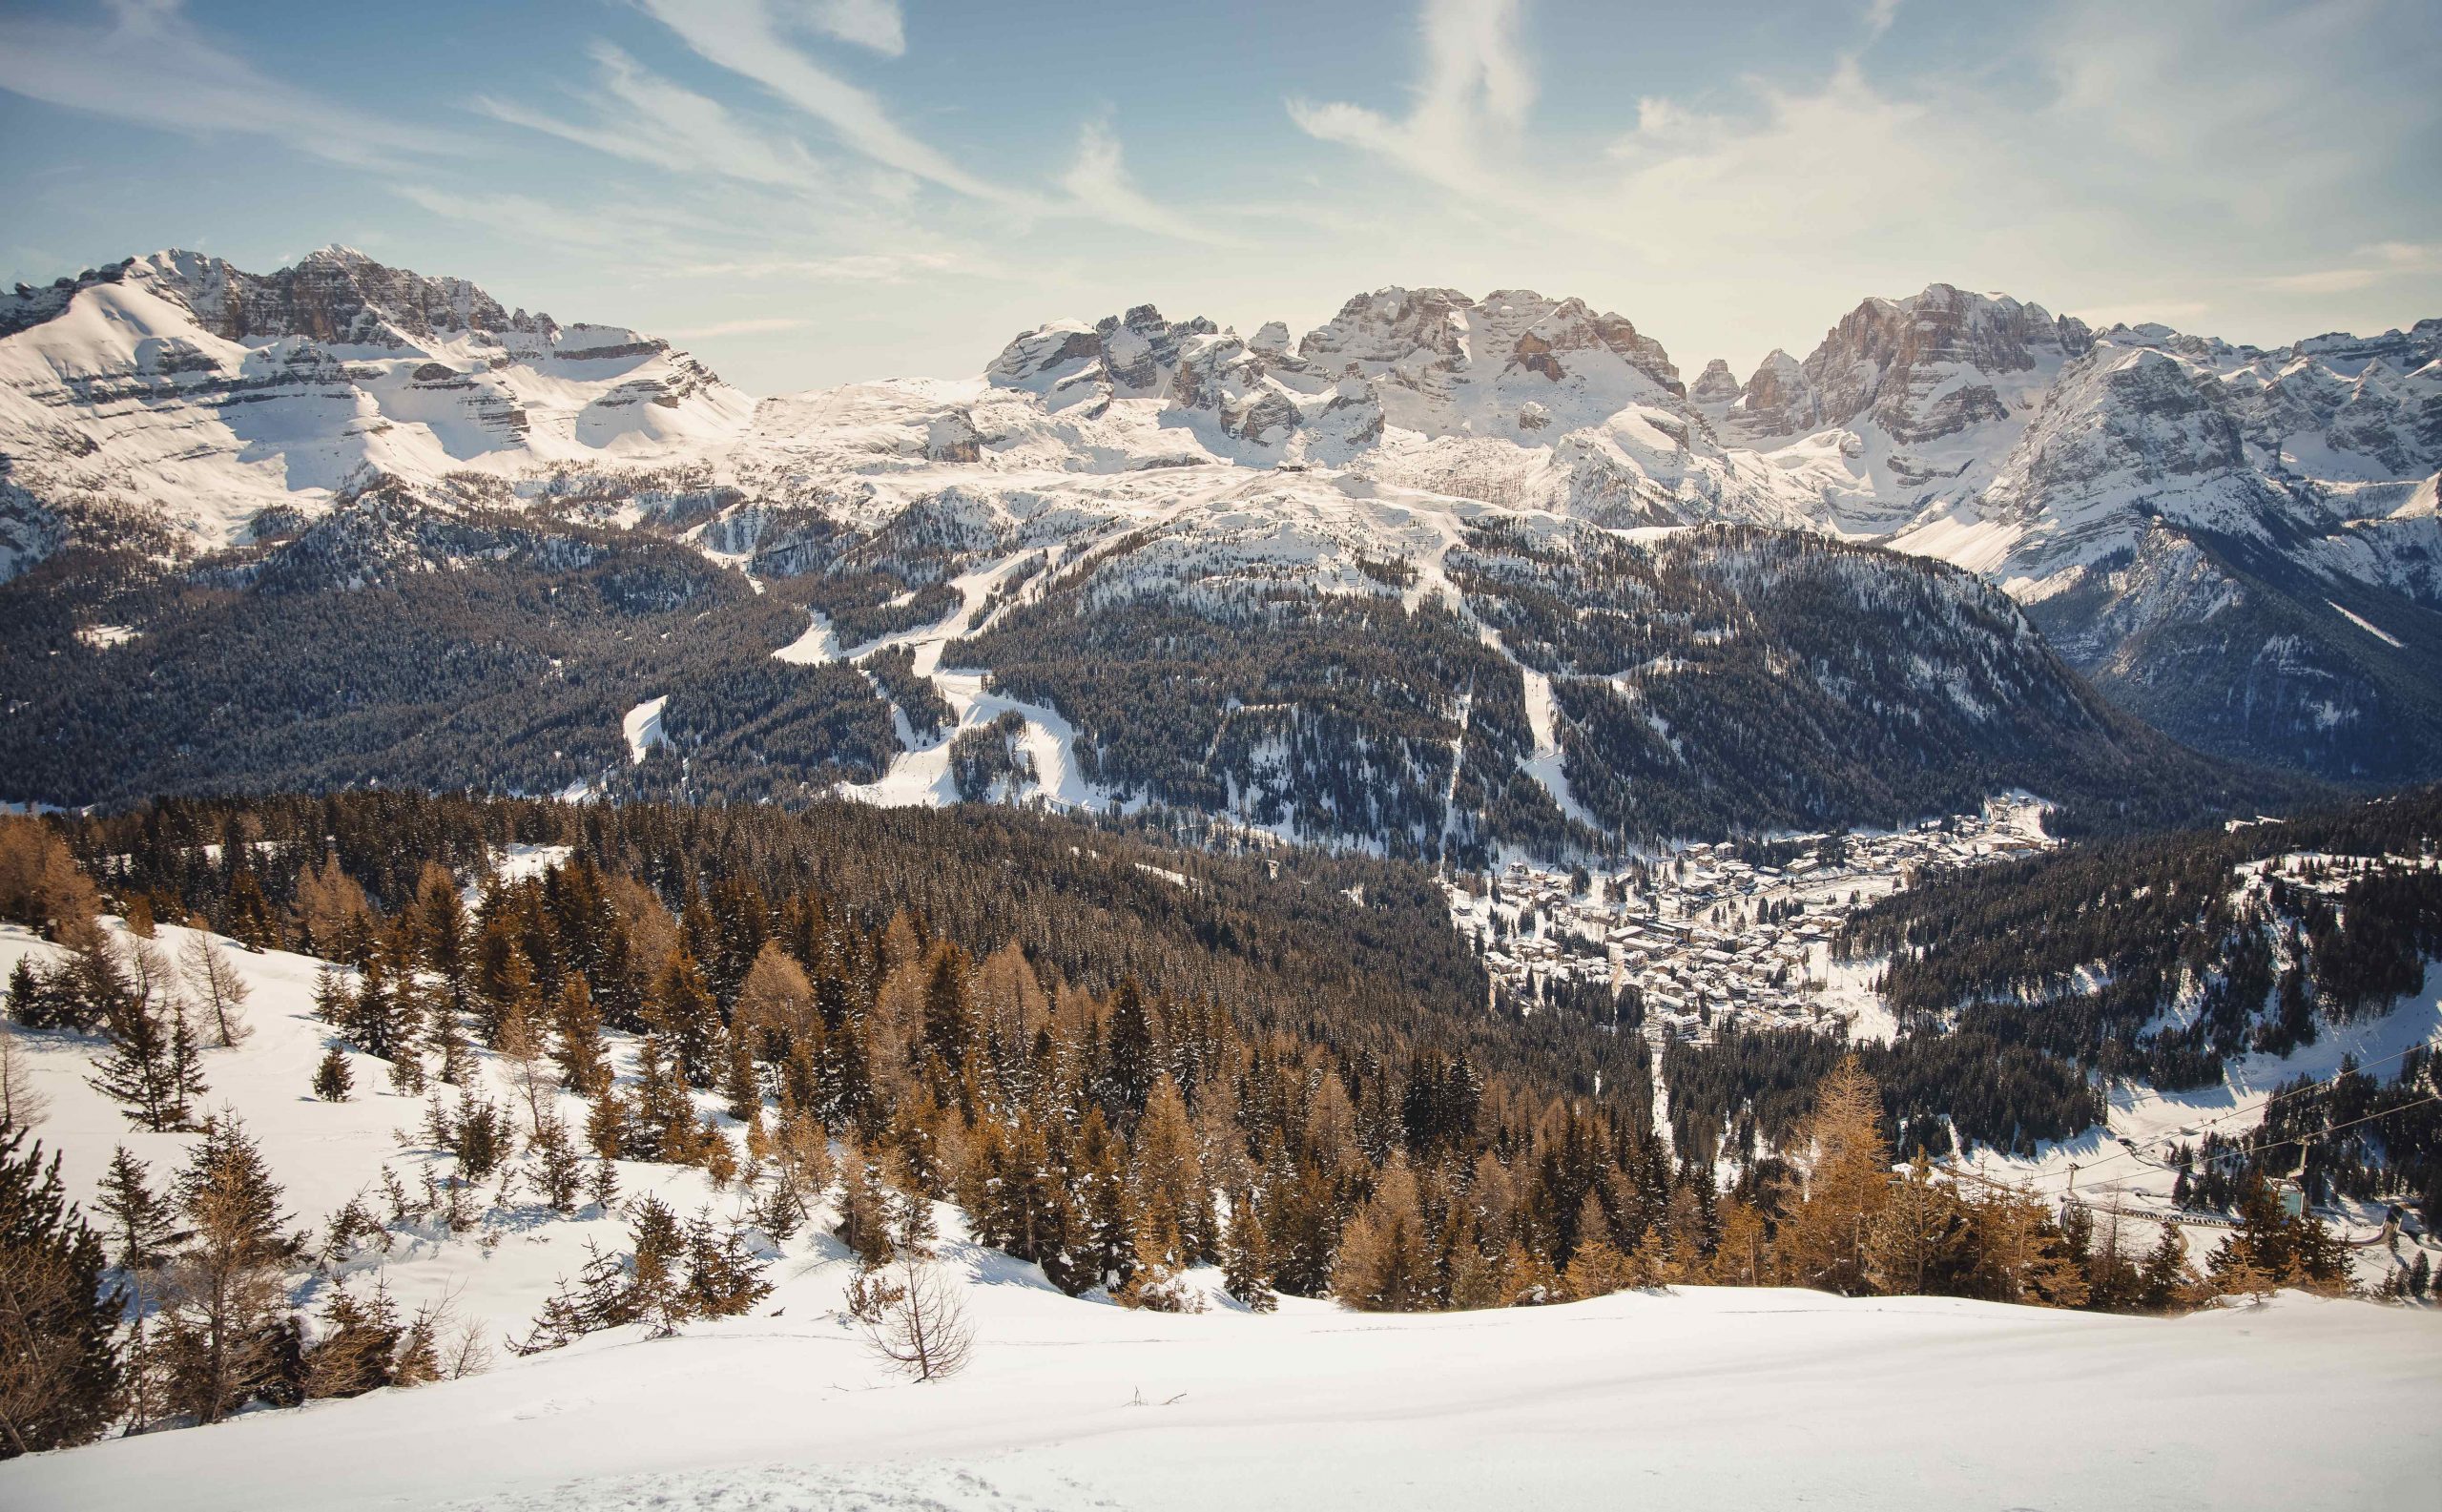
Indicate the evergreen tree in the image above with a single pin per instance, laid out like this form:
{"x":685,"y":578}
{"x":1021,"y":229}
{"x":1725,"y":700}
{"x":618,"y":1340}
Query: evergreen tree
{"x":141,"y":1069}
{"x":2165,"y":1281}
{"x":1245,"y":1265}
{"x":60,"y":1362}
{"x":1918,"y":1244}
{"x":186,"y":1066}
{"x":333,"y":1004}
{"x":559,"y":1173}
{"x":864,"y":1212}
{"x":1172,"y":1208}
{"x":656,"y":1279}
{"x":599,"y":1298}
{"x":355,"y":1350}
{"x":724,"y":1278}
{"x":332,"y":1081}
{"x":576,"y":1042}
{"x":141,"y":1227}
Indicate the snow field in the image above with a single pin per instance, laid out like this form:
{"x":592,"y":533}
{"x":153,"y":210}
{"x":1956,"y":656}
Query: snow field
{"x":1697,"y":1396}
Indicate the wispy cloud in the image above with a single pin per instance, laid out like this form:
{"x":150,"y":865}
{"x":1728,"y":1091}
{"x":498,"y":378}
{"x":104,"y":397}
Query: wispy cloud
{"x":1476,"y":88}
{"x":1098,"y":184}
{"x":2379,"y":263}
{"x":874,"y":24}
{"x":752,"y":38}
{"x":147,"y":63}
{"x":651,"y":231}
{"x":646,"y":118}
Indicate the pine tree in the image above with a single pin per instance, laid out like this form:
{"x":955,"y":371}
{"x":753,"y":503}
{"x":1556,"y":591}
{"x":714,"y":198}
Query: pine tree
{"x":139,"y":1070}
{"x":1246,"y":1264}
{"x":1917,"y":1244}
{"x":139,"y":1227}
{"x":663,"y":1126}
{"x":559,"y":1172}
{"x":333,"y":1004}
{"x":358,"y":1339}
{"x":599,"y":1298}
{"x":864,"y":1212}
{"x":332,"y":1081}
{"x":2165,"y":1281}
{"x":576,"y":1028}
{"x":1172,"y":1208}
{"x":724,"y":1279}
{"x":61,"y":1369}
{"x":186,"y":1067}
{"x":441,"y":934}
{"x":603,"y":1187}
{"x":1104,"y":1250}
{"x":656,"y":1284}
{"x":224,"y":1341}
{"x":686,"y":1018}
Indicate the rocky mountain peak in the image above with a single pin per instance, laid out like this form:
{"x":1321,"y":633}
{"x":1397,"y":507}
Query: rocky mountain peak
{"x":1715,"y":390}
{"x":334,"y":295}
{"x":1131,"y":356}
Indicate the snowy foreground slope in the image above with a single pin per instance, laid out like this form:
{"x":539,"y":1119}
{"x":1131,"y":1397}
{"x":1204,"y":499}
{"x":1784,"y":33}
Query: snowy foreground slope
{"x":1693,"y":1397}
{"x":1700,"y":1397}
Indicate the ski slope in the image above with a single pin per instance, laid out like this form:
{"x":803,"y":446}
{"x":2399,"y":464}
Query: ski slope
{"x":1703,"y":1398}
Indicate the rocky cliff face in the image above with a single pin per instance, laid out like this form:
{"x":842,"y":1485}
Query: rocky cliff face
{"x":337,"y":296}
{"x":1514,"y":365}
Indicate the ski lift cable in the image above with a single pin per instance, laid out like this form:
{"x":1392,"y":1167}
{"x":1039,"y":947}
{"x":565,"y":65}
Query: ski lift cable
{"x":2133,"y":1152}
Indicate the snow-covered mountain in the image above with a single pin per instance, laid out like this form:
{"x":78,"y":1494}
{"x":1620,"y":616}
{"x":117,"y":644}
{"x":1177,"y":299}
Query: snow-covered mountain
{"x":2240,"y":545}
{"x":179,"y":397}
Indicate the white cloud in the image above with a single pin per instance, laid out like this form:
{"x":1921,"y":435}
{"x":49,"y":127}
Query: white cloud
{"x":1098,"y":183}
{"x":748,"y":37}
{"x":148,"y":64}
{"x":1880,"y":15}
{"x":874,"y":24}
{"x":2382,"y":262}
{"x":647,"y":119}
{"x":1476,"y":90}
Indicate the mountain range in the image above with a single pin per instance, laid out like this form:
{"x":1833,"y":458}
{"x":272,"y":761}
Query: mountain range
{"x":1441,"y":574}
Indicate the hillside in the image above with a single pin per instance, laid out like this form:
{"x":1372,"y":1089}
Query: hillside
{"x":1072,"y":1399}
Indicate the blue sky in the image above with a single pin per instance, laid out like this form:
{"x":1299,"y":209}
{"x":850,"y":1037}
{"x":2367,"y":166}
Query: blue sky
{"x":808,"y":192}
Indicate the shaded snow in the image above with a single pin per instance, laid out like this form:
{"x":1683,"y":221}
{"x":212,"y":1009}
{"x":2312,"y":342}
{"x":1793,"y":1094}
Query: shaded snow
{"x":641,"y":727}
